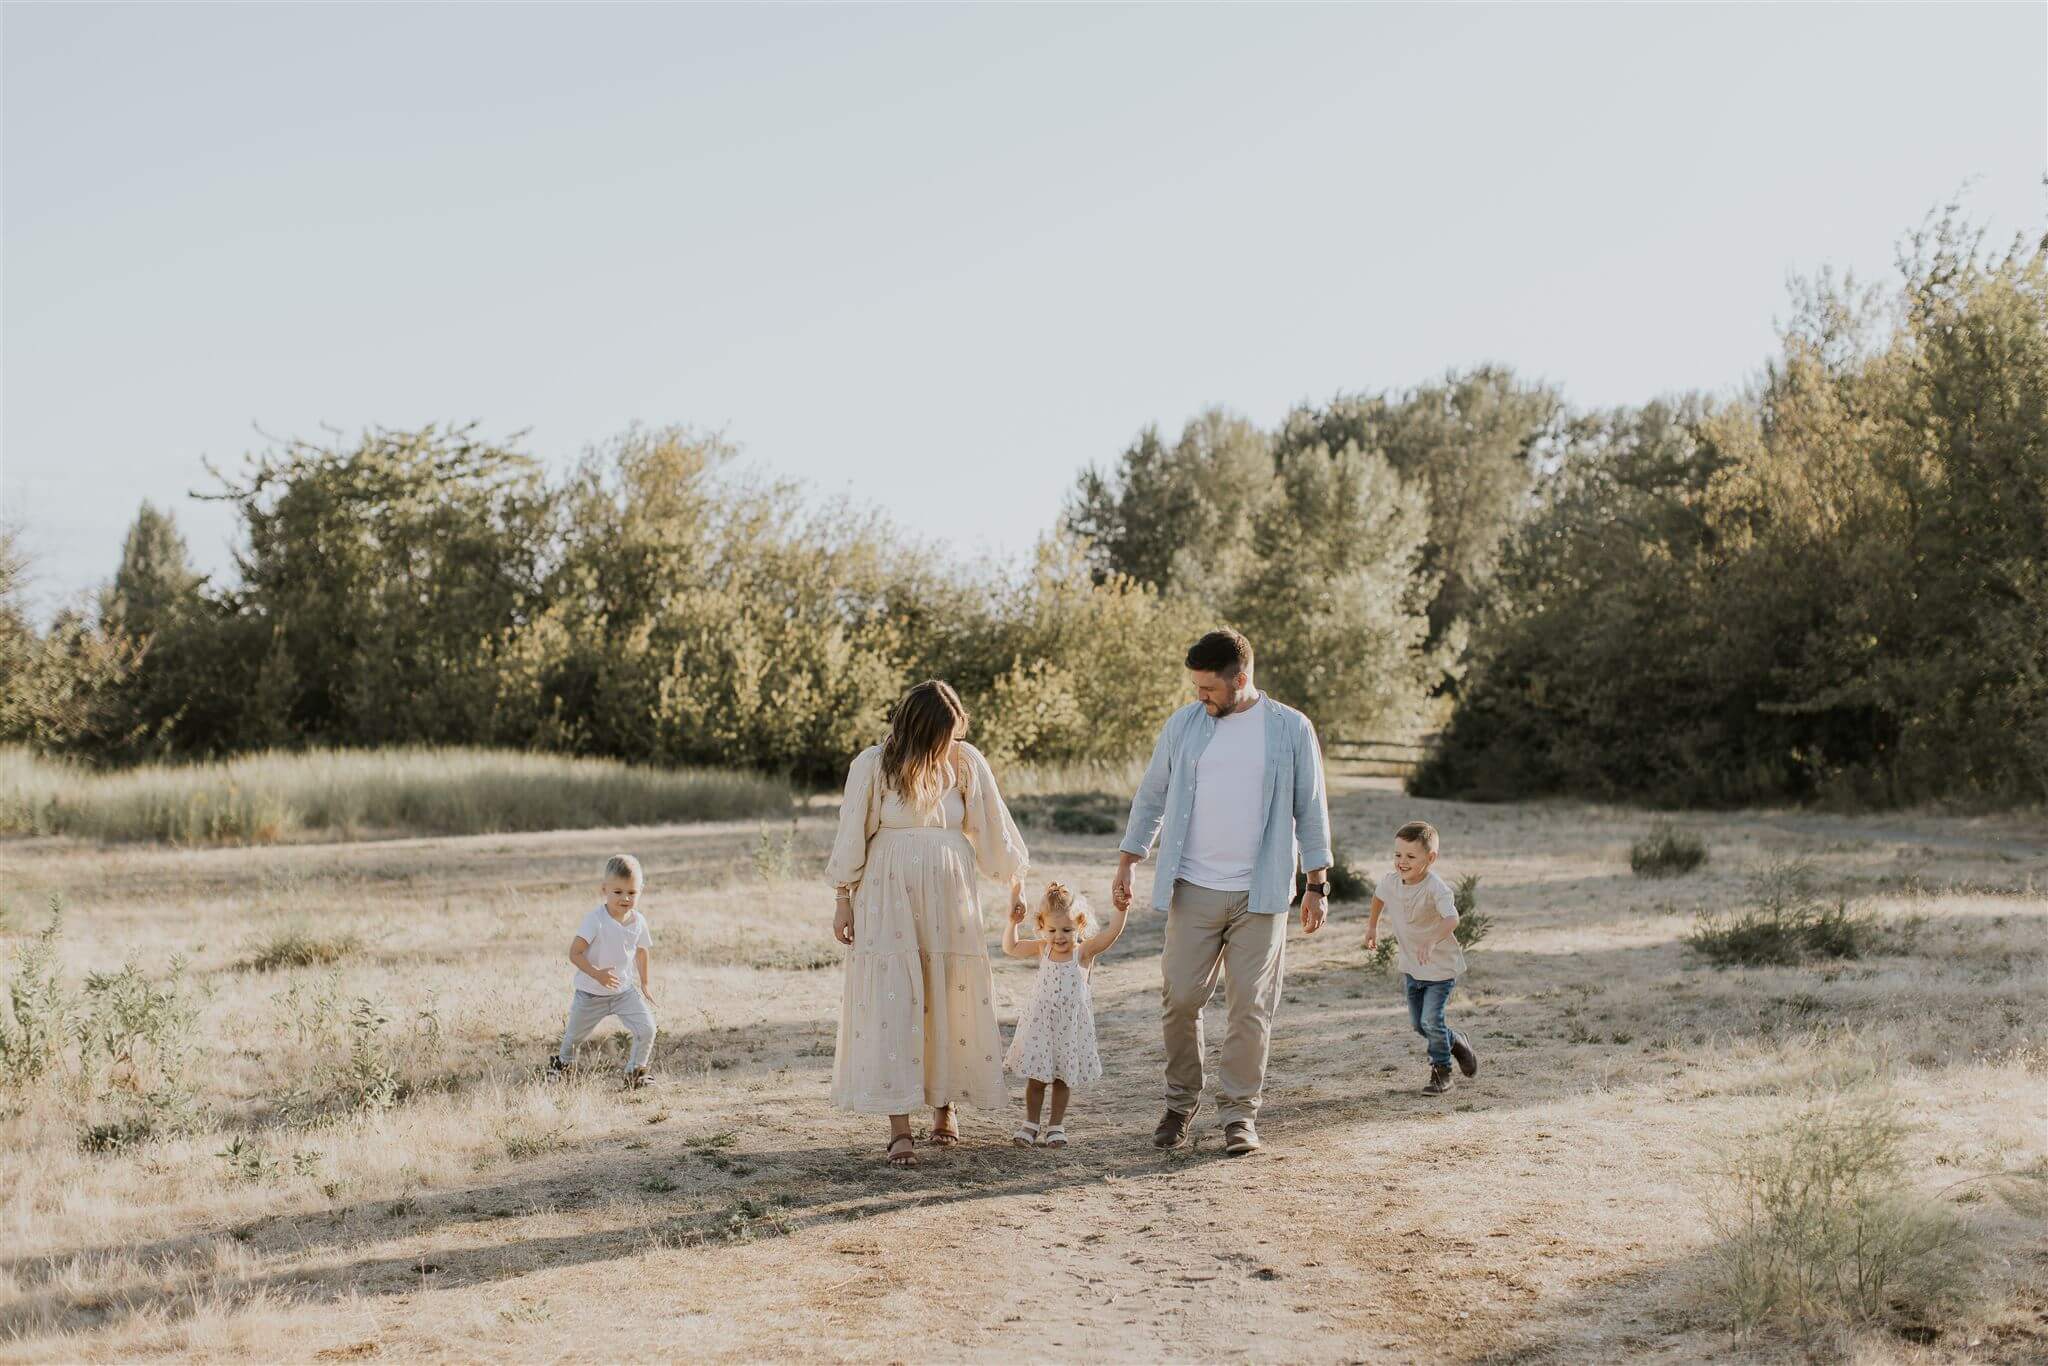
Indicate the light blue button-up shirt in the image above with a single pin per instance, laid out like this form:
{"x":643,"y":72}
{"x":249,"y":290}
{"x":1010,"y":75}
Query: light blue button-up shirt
{"x":1294,"y":813}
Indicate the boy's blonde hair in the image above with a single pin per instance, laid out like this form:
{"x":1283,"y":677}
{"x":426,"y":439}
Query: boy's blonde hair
{"x":1418,"y":832}
{"x":1061,"y":898}
{"x":622,"y":865}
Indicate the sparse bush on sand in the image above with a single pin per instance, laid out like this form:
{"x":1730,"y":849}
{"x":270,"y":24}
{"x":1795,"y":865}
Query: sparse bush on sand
{"x":1822,"y":1229}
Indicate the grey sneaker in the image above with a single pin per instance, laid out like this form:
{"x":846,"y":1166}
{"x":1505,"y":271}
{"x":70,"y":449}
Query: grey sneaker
{"x":638,"y":1078}
{"x":1467,"y":1060}
{"x":557,"y":1069}
{"x":1173,"y":1127}
{"x":1240,"y":1137}
{"x":1439,"y":1081}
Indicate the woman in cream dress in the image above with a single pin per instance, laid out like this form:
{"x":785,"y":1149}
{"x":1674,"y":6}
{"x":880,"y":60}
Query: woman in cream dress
{"x":917,"y":1024}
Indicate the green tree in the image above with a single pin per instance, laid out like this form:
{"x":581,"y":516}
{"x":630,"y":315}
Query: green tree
{"x":1333,"y":601}
{"x":155,"y":584}
{"x":1177,"y":518}
{"x":1472,"y":442}
{"x":388,"y":574}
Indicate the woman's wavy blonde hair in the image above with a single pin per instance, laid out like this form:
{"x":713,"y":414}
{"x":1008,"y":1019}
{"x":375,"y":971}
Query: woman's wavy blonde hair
{"x":1060,"y":897}
{"x":922,"y":729}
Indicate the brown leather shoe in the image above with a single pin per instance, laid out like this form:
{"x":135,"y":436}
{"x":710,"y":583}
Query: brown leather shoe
{"x":1467,"y":1060}
{"x":1240,"y":1136}
{"x":1439,"y":1081}
{"x":1173,"y":1127}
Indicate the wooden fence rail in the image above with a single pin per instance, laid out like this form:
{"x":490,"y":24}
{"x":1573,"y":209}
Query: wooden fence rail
{"x":1371,"y":756}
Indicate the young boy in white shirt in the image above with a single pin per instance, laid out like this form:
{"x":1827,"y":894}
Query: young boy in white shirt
{"x":1425,"y":919}
{"x":609,"y":954}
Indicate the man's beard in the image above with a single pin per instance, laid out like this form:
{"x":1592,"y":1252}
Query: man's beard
{"x":1227,"y":705}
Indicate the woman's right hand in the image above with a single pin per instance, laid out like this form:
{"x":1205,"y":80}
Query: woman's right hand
{"x":842,"y":923}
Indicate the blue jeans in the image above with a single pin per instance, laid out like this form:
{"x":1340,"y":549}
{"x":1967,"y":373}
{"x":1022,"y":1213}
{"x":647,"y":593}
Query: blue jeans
{"x":587,"y":1010}
{"x":1426,"y":1013}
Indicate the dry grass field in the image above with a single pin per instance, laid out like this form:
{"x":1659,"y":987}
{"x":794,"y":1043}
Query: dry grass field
{"x":395,"y":1181}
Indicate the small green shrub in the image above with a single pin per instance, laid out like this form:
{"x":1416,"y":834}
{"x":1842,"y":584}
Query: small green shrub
{"x":775,"y":859}
{"x":247,"y":1161}
{"x":1666,"y":851}
{"x":749,"y":1219}
{"x":1820,"y":1227}
{"x":1787,"y":922}
{"x":1473,"y":923}
{"x":297,"y":946}
{"x":1072,"y":813}
{"x":368,"y":1080}
{"x":524,"y":1144}
{"x":116,"y":1135}
{"x":42,"y":1014}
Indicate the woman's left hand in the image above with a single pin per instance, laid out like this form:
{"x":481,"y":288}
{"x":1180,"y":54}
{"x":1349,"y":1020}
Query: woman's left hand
{"x":1017,"y":907}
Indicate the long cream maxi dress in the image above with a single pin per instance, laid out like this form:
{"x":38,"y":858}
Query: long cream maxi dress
{"x":917,"y":1023}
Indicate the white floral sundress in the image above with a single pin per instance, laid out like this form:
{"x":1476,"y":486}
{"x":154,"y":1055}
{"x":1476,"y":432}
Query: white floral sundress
{"x":1055,"y":1038}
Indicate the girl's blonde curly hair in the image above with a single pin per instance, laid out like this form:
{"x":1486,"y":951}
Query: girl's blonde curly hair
{"x":1060,"y":898}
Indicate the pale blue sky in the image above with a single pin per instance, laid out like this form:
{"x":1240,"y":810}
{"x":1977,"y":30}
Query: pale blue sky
{"x":939,"y":257}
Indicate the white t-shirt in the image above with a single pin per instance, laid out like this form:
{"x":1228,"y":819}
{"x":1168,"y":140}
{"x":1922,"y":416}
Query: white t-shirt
{"x":1230,"y":797}
{"x":612,"y":945}
{"x":1418,"y":914}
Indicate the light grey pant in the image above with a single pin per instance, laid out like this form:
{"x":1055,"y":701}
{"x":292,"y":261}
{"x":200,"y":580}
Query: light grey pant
{"x":1211,"y":934}
{"x":587,"y":1011}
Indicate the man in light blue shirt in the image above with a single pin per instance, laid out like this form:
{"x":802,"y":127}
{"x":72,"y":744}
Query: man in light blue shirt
{"x":1234,"y":796}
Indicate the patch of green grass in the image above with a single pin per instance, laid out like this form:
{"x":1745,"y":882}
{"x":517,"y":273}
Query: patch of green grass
{"x":1787,"y":922}
{"x":1072,"y":813}
{"x":1667,"y":851}
{"x":297,"y":946}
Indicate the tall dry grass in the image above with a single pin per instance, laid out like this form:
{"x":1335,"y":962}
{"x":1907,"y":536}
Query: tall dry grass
{"x":269,"y":797}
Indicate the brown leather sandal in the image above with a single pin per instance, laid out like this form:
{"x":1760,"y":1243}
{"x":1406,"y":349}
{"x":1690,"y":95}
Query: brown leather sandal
{"x":947,"y":1135}
{"x":906,"y":1158}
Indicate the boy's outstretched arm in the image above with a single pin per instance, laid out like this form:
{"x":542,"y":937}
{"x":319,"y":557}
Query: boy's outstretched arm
{"x":1101,"y":942}
{"x":1372,"y":926}
{"x":642,"y":962}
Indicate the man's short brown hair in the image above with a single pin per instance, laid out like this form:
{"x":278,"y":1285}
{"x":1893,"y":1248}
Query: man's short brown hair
{"x":1222,"y":652}
{"x":1418,"y":832}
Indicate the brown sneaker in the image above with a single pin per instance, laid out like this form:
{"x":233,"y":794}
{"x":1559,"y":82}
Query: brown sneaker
{"x":1468,"y":1061}
{"x":1173,"y":1127}
{"x":1439,"y":1081}
{"x":1240,"y":1137}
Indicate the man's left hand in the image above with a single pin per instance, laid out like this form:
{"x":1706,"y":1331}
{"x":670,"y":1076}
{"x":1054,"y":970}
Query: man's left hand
{"x":1315,"y":906}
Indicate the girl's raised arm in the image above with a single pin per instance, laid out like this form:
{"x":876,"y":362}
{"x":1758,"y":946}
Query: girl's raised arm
{"x":1011,"y":944}
{"x":1096,"y":946}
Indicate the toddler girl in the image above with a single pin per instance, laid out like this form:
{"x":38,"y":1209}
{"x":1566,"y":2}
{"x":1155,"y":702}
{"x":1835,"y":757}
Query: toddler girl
{"x":1055,"y":1042}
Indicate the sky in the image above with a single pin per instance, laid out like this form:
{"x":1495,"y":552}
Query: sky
{"x":936,"y":258}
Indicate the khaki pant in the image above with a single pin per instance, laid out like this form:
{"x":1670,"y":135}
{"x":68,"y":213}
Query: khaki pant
{"x":1208,"y":933}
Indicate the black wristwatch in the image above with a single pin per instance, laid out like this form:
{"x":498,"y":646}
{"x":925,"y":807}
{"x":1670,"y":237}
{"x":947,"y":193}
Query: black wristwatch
{"x":1321,"y":889}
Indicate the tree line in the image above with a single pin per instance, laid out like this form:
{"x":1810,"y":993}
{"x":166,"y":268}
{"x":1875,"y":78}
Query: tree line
{"x":1829,"y":585}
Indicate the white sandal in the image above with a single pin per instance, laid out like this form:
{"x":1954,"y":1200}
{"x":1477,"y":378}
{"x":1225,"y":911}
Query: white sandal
{"x":1055,"y":1136}
{"x":1026,"y":1135}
